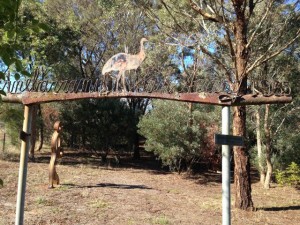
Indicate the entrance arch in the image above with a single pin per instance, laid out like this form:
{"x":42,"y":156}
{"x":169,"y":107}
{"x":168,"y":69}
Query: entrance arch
{"x":32,"y":91}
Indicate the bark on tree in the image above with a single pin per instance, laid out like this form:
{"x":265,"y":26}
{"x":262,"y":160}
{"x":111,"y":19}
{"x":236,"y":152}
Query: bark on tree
{"x":41,"y":129}
{"x":242,"y":180}
{"x":268,"y":148}
{"x":259,"y":148}
{"x":136,"y":150}
{"x":33,"y":132}
{"x":240,"y":55}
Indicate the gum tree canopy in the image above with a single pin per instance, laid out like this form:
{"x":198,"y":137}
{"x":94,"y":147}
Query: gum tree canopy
{"x":238,"y":37}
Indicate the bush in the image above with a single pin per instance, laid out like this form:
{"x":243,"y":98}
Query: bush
{"x":12,"y":116}
{"x":97,"y":124}
{"x":289,"y":176}
{"x":175,"y":134}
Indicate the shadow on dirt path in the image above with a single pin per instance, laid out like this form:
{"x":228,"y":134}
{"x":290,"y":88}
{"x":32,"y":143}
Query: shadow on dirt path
{"x":107,"y":185}
{"x":275,"y":209}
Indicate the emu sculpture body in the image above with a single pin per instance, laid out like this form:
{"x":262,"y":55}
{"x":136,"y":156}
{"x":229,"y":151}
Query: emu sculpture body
{"x":122,"y":62}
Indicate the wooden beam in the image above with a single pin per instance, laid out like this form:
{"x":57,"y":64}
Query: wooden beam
{"x":222,"y":99}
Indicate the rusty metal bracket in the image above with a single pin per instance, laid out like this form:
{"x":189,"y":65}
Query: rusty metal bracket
{"x":23,"y":135}
{"x":225,"y":98}
{"x":56,"y":152}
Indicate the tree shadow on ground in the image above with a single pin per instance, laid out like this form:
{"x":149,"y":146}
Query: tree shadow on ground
{"x":147,"y":161}
{"x":284,"y":208}
{"x":108,"y":185}
{"x":207,"y":177}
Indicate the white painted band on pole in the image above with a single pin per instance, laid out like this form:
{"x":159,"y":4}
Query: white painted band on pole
{"x":226,"y":201}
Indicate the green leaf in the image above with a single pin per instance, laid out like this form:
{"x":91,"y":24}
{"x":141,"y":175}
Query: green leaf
{"x":36,"y":29}
{"x":9,"y":25}
{"x":2,"y":92}
{"x":6,"y":59}
{"x":25,"y":73}
{"x":44,"y":26}
{"x":2,"y":75}
{"x":19,"y":66}
{"x":35,"y":22}
{"x":17,"y":76}
{"x":11,"y":34}
{"x":6,"y":54}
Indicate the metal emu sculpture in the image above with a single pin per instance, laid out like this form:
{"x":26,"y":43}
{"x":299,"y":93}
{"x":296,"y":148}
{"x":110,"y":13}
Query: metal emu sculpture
{"x":123,"y":61}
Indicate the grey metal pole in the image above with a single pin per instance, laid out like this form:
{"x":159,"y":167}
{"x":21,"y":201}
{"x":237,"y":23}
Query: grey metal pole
{"x":25,"y":144}
{"x":226,"y":202}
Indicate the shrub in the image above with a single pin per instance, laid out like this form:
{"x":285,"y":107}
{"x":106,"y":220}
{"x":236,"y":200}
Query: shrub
{"x":174,"y":133}
{"x":289,"y":176}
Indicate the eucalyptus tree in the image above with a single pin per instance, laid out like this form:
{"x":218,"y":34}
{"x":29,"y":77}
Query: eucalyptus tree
{"x":273,"y":123}
{"x":21,"y":30}
{"x":228,"y":33}
{"x":273,"y":73}
{"x":18,"y":31}
{"x":98,"y":30}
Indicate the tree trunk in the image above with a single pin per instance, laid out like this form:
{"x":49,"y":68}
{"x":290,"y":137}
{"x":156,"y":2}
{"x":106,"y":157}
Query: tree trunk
{"x":33,"y":132}
{"x":259,"y":149}
{"x":136,"y":150}
{"x":268,"y":148}
{"x":41,"y":129}
{"x":242,"y":182}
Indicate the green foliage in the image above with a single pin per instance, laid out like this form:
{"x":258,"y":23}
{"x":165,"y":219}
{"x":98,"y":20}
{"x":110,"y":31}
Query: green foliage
{"x":174,"y":133}
{"x":17,"y":32}
{"x":288,"y":146}
{"x":12,"y":115}
{"x":289,"y":176}
{"x":97,"y":124}
{"x":254,"y":157}
{"x":162,"y":220}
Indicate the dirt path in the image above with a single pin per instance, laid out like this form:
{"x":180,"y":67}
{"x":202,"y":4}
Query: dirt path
{"x":91,"y":195}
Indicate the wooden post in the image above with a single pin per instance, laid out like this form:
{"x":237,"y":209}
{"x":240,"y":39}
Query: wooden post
{"x":25,"y":144}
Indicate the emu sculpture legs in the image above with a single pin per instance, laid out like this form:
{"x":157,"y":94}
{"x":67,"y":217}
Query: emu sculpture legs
{"x":121,"y":74}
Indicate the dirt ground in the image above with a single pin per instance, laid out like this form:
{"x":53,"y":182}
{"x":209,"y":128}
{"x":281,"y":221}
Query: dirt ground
{"x":133,"y":193}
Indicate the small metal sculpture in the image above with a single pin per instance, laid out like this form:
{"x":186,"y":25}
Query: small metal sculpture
{"x":56,"y":151}
{"x":123,"y":61}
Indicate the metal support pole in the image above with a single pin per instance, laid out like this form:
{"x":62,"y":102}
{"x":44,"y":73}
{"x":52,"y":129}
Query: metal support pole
{"x":25,"y":144}
{"x":226,"y":211}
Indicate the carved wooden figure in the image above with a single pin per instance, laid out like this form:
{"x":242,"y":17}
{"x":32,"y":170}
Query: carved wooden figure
{"x":56,"y":151}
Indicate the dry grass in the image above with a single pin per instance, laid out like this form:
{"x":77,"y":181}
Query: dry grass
{"x":91,"y":194}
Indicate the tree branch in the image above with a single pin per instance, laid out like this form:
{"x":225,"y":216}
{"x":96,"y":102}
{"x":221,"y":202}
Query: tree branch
{"x":167,"y":8}
{"x":206,"y":15}
{"x":260,"y":60}
{"x":227,"y":72}
{"x":281,"y":123}
{"x":259,"y":24}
